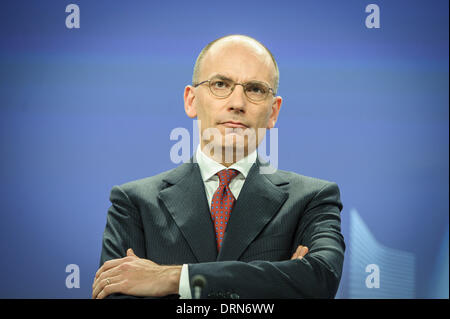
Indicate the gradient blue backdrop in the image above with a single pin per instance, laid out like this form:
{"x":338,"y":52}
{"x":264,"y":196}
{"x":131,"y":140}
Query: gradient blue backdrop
{"x":84,"y":109}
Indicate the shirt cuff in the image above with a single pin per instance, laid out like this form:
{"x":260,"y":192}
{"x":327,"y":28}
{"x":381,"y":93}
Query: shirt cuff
{"x":184,"y":289}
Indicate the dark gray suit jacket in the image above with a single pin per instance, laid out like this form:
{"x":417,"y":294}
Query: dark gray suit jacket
{"x":166,"y":218}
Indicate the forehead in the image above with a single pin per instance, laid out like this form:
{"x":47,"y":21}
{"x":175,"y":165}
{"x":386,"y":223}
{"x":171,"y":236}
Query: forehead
{"x":238,"y":60}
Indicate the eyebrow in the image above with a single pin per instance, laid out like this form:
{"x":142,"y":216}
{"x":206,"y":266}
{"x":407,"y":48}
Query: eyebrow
{"x":226,"y":78}
{"x":221,"y":77}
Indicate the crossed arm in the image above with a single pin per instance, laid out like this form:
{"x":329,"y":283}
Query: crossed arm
{"x":318,"y":239}
{"x":136,"y":276}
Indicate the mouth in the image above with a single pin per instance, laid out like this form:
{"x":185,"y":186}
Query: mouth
{"x":234,"y":124}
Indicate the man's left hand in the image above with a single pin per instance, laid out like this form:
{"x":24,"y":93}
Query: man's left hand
{"x":135,"y":276}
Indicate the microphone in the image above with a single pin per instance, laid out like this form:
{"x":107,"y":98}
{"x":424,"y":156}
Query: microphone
{"x":198,"y":283}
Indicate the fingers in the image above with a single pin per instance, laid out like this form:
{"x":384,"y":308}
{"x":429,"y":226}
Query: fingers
{"x":300,"y":252}
{"x":296,"y":253}
{"x":108,"y":270}
{"x":303,"y":251}
{"x":104,"y":279}
{"x":106,"y":287}
{"x":108,"y":265}
{"x":114,"y":262}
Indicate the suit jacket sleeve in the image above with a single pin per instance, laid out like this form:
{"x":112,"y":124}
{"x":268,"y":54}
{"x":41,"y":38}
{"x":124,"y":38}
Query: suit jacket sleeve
{"x":317,"y":275}
{"x":123,"y":230}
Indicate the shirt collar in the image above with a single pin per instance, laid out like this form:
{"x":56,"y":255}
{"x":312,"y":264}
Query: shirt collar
{"x":209,"y":167}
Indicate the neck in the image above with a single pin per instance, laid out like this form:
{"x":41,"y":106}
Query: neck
{"x":226,"y":156}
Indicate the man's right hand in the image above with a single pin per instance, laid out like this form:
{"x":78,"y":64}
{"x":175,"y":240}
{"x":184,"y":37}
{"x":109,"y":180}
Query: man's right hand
{"x":300,"y":252}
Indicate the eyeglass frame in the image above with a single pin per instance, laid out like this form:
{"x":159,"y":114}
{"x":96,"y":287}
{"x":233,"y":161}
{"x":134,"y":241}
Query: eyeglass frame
{"x":234,"y":86}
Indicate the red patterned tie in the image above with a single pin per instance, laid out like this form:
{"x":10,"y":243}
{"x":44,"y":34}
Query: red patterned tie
{"x":222,"y":204}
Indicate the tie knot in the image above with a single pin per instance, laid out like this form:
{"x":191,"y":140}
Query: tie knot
{"x":226,"y":175}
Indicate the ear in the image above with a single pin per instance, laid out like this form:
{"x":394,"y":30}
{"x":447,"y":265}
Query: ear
{"x":276,"y":105}
{"x":189,"y":97}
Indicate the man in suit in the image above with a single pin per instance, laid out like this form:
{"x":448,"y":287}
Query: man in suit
{"x":248,"y":233}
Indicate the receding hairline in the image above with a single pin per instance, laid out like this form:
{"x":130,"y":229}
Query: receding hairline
{"x":205,"y":50}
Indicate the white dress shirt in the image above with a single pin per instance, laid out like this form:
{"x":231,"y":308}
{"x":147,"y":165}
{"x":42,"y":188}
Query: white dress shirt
{"x":208,"y":169}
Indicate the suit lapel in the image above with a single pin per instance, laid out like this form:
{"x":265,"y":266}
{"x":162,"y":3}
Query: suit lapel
{"x":186,"y":201}
{"x":258,"y":202}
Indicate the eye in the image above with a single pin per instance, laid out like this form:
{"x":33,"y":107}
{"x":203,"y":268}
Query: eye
{"x":219,"y":84}
{"x":256,"y":88}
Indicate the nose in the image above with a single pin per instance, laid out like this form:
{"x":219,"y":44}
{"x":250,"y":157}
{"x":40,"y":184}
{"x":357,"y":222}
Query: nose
{"x":237,"y":100}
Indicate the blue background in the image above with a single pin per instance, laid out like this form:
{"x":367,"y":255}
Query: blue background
{"x":84,"y":109}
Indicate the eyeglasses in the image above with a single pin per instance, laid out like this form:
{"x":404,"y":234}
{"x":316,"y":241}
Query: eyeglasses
{"x":223,"y":87}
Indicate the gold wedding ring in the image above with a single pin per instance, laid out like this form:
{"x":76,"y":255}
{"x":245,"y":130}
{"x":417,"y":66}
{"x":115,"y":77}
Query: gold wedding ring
{"x":108,"y":282}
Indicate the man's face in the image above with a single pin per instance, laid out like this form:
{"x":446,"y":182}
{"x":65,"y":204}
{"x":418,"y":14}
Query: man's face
{"x":240,"y":62}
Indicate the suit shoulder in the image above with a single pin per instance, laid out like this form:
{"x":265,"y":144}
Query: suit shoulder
{"x":146,"y":184}
{"x":303,"y":181}
{"x":312,"y":187}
